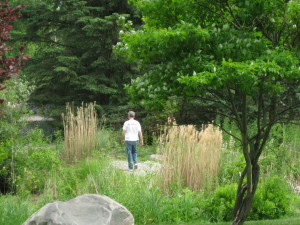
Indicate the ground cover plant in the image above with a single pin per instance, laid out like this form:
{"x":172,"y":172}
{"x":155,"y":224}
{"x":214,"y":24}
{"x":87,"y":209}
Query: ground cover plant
{"x":149,"y":205}
{"x":141,"y":195}
{"x":293,"y":221}
{"x":14,"y":210}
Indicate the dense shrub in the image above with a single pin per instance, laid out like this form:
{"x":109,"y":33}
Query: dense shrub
{"x":271,"y":201}
{"x":25,"y":160}
{"x":12,"y":130}
{"x":183,"y":206}
{"x":33,"y":172}
{"x":220,"y":204}
{"x":5,"y":168}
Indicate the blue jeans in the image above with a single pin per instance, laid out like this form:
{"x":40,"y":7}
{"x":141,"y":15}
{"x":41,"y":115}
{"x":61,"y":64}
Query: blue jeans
{"x":131,"y":150}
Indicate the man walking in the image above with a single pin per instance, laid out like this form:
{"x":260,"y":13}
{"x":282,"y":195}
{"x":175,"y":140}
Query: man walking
{"x":132,"y":133}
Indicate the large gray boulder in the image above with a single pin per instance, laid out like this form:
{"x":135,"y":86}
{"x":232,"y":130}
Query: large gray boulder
{"x":88,"y":209}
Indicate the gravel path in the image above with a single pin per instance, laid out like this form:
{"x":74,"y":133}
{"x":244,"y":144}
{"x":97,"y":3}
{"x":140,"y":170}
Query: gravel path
{"x":144,"y":168}
{"x":35,"y":118}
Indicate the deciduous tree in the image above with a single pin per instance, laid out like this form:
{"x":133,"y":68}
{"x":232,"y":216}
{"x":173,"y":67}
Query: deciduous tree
{"x":240,"y":59}
{"x":9,"y":65}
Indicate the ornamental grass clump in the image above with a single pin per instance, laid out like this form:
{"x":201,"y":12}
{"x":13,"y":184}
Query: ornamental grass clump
{"x":80,"y":132}
{"x":191,"y":157}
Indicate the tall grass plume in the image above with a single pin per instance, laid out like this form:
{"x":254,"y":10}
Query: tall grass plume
{"x":80,"y":132}
{"x":191,"y":157}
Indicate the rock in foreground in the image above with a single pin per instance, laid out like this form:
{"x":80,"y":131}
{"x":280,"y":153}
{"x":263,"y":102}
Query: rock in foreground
{"x":89,"y":209}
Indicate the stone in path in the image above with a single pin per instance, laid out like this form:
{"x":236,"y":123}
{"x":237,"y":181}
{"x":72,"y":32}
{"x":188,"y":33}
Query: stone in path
{"x":297,"y":189}
{"x":36,"y":118}
{"x":88,"y":209}
{"x":147,"y":167}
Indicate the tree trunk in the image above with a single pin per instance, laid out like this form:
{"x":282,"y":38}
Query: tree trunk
{"x":244,"y":197}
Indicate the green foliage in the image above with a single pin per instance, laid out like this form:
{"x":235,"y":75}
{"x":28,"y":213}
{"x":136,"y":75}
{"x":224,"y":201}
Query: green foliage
{"x":24,"y":159}
{"x":18,"y":91}
{"x":239,"y":62}
{"x":108,"y":140}
{"x":190,"y":54}
{"x":170,"y":52}
{"x":282,"y":155}
{"x":276,"y":65}
{"x":16,"y":94}
{"x":154,"y":45}
{"x":168,"y":45}
{"x":220,"y":205}
{"x":12,"y":130}
{"x":140,"y":195}
{"x":232,"y":164}
{"x":13,"y":210}
{"x":25,"y":162}
{"x":73,"y":60}
{"x":184,"y":206}
{"x":272,"y":201}
{"x":32,"y":175}
{"x":39,"y":171}
{"x":10,"y":126}
{"x":162,"y":13}
{"x":5,"y":154}
{"x":5,"y":168}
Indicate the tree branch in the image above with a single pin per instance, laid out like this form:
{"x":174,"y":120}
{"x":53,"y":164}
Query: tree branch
{"x":218,"y":101}
{"x":272,"y":119}
{"x":232,"y":14}
{"x":218,"y":14}
{"x":234,"y":110}
{"x":227,"y":132}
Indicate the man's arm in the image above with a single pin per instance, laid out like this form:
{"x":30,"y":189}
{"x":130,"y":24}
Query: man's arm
{"x":123,"y":136}
{"x":141,"y":138}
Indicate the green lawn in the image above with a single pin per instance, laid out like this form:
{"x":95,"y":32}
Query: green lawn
{"x":290,"y":221}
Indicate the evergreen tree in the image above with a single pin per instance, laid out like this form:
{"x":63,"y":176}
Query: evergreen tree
{"x":73,"y":61}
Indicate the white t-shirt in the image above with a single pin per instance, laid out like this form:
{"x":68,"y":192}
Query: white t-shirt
{"x":132,"y":128}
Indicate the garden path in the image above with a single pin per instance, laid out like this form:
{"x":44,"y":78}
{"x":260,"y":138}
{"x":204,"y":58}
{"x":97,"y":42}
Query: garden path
{"x":144,"y":168}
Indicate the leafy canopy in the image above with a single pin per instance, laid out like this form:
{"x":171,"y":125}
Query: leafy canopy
{"x":188,"y":44}
{"x":9,"y":65}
